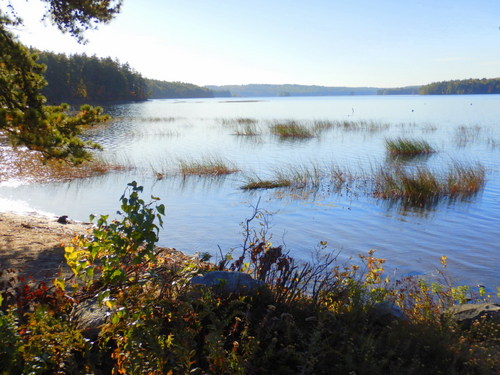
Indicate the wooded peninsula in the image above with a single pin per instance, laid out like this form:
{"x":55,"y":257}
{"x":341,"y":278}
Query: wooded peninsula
{"x":90,"y":79}
{"x":81,"y":78}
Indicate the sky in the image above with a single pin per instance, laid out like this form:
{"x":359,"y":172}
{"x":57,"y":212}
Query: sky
{"x":354,"y":43}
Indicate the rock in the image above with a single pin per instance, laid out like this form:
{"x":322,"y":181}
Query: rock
{"x":89,"y":316}
{"x":63,"y":220}
{"x":468,"y":313}
{"x":229,"y":282}
{"x":386,"y":312}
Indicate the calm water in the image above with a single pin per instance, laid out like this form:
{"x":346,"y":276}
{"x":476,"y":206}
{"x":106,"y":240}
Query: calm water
{"x":205,"y":213}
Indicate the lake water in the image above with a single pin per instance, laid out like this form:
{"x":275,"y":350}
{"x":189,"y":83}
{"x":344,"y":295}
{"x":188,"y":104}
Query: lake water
{"x":205,"y":213}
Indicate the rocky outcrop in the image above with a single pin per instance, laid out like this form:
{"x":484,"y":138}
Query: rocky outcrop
{"x":468,"y":313}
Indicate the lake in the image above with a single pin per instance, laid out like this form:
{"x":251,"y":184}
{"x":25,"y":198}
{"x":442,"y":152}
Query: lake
{"x":204,"y":214}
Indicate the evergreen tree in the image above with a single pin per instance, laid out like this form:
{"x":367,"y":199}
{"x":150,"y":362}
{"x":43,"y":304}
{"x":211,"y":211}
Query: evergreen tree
{"x":24,"y":116}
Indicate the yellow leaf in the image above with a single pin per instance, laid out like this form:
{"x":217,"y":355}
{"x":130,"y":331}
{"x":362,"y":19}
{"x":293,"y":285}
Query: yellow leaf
{"x":110,"y":303}
{"x":59,"y":283}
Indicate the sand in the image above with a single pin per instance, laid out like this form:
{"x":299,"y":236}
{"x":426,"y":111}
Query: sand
{"x":33,"y":245}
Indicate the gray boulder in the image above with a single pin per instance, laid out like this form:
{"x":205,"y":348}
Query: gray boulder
{"x":89,"y":316}
{"x":468,"y":313}
{"x":386,"y":312}
{"x":229,"y":282}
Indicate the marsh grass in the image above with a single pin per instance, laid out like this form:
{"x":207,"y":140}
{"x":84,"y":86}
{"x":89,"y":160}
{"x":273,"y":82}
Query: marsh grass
{"x":254,"y":183}
{"x":339,"y":177}
{"x":247,"y":129}
{"x":422,"y":186}
{"x":155,"y":119}
{"x":207,"y":166}
{"x":289,"y":176}
{"x":238,"y":121}
{"x":465,"y":135}
{"x":492,"y":142}
{"x":291,"y":129}
{"x":30,"y":166}
{"x":408,"y":147}
{"x":312,"y":177}
{"x":464,"y":180}
{"x":321,"y":126}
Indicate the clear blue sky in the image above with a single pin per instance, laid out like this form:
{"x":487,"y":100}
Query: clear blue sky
{"x":380,"y":43}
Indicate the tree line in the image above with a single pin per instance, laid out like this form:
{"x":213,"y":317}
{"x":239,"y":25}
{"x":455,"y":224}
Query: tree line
{"x":270,"y":90}
{"x":407,"y":90}
{"x":81,"y":78}
{"x":163,"y":90}
{"x":462,"y":87}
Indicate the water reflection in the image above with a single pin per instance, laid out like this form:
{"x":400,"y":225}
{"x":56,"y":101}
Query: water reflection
{"x":150,"y":137}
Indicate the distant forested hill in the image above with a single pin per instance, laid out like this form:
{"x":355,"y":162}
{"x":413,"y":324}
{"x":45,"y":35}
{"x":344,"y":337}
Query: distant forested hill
{"x":162,"y":89}
{"x":407,"y":90}
{"x":255,"y":90}
{"x":462,"y":87}
{"x":81,"y":78}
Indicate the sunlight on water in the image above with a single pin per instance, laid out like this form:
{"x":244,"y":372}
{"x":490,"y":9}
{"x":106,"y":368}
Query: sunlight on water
{"x":205,"y":212}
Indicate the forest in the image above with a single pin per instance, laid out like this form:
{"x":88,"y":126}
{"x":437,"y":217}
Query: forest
{"x":163,"y":90}
{"x":268,"y":90}
{"x":462,"y":87}
{"x":81,"y":78}
{"x":407,"y":90}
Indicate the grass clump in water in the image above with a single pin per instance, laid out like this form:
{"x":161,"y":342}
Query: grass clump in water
{"x":302,"y":176}
{"x":209,"y":166}
{"x":421,"y":185}
{"x":463,"y":180}
{"x":291,"y":129}
{"x":408,"y":147}
{"x":291,"y":176}
{"x":254,"y":183}
{"x":247,"y":129}
{"x":238,"y":121}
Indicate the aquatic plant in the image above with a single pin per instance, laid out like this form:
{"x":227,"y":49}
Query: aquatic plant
{"x":464,"y":180}
{"x":408,"y":147}
{"x":310,"y":176}
{"x":247,"y":129}
{"x":466,"y":134}
{"x":254,"y":183}
{"x":238,"y":121}
{"x":208,"y":166}
{"x":291,"y":129}
{"x":421,"y":185}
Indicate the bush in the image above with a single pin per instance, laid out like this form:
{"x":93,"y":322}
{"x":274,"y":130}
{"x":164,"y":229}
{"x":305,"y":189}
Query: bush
{"x":314,"y":318}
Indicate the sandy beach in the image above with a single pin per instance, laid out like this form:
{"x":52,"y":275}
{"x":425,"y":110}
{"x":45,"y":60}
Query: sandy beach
{"x":34,"y":245}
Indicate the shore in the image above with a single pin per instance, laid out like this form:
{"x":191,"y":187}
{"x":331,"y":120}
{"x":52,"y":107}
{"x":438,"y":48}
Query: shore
{"x":33,"y":245}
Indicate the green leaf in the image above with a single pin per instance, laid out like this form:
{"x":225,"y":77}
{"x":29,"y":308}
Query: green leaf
{"x":161,"y":209}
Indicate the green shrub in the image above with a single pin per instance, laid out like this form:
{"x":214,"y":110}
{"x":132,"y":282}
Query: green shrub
{"x":313,"y":318}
